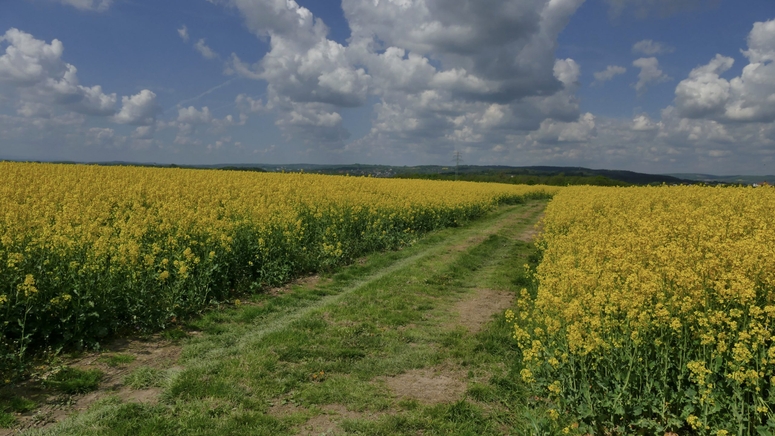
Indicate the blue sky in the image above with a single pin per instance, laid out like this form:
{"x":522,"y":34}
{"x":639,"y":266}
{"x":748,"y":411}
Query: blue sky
{"x":646,"y":85}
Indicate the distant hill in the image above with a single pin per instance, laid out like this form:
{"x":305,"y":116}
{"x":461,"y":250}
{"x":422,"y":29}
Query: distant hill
{"x":443,"y":172}
{"x":547,"y":175}
{"x":486,"y":173}
{"x":709,"y":178}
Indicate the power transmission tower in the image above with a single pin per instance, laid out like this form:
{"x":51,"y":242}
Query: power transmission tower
{"x":458,"y":157}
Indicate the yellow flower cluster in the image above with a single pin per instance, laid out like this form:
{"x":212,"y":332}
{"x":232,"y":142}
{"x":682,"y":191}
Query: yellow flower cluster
{"x":87,"y":250}
{"x":656,"y":304}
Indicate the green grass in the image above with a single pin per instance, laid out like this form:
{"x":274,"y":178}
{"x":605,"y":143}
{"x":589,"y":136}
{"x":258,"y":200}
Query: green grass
{"x":10,"y":404}
{"x":174,"y":334}
{"x":145,"y":377}
{"x":7,"y":420}
{"x":337,"y":342}
{"x":72,"y":381}
{"x":115,"y":360}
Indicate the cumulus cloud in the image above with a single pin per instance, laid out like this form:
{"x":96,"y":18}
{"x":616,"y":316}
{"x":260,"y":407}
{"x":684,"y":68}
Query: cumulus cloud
{"x":431,"y":122}
{"x":609,"y":73}
{"x":649,"y":73}
{"x":650,"y":48}
{"x":749,"y":97}
{"x":567,"y":71}
{"x":37,"y":70}
{"x":761,"y":44}
{"x":55,"y":136}
{"x":552,"y":131}
{"x":191,"y":122}
{"x":247,"y":104}
{"x":88,"y":5}
{"x":100,"y":136}
{"x":308,"y":75}
{"x":143,"y":132}
{"x":642,"y":123}
{"x":204,"y":50}
{"x":139,"y":109}
{"x":321,"y":73}
{"x":398,"y":70}
{"x":436,"y":64}
{"x":33,"y":110}
{"x":668,"y":143}
{"x":506,"y":48}
{"x":183,"y":32}
{"x":193,"y":116}
{"x":28,"y":61}
{"x":680,"y":130}
{"x":475,"y":76}
{"x":317,"y":123}
{"x":704,"y":93}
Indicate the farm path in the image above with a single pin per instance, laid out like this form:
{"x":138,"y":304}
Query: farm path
{"x":405,"y":342}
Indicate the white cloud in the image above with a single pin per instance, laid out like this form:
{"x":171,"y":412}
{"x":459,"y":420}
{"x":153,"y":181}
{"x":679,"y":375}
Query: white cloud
{"x":248,"y":104}
{"x":398,"y":70}
{"x":667,"y":144}
{"x":100,"y":136}
{"x":552,"y":131}
{"x":204,"y":50}
{"x":704,"y":93}
{"x":308,"y":76}
{"x":480,"y":76}
{"x":650,"y":48}
{"x":319,"y":73}
{"x":143,"y":132}
{"x":227,"y":121}
{"x":506,"y":45}
{"x":191,"y":115}
{"x":649,"y":73}
{"x":94,"y":102}
{"x":749,"y":97}
{"x":430,"y":61}
{"x":28,"y":61}
{"x":33,"y":110}
{"x":677,"y":129}
{"x":88,"y":5}
{"x":642,"y":123}
{"x":139,"y":109}
{"x":493,"y":116}
{"x":192,"y":122}
{"x":317,"y":123}
{"x":609,"y":73}
{"x":219,"y":144}
{"x":461,"y":81}
{"x":37,"y":71}
{"x":761,"y":42}
{"x":567,"y":71}
{"x":242,"y":69}
{"x":183,"y":32}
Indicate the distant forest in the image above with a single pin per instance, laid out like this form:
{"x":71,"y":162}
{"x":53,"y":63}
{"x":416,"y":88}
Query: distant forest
{"x":528,"y":175}
{"x":559,"y":179}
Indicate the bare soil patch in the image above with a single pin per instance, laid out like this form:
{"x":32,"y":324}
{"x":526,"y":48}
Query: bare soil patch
{"x":308,"y":282}
{"x":475,"y":312}
{"x":513,"y":220}
{"x":326,"y":423}
{"x":54,"y":407}
{"x":531,"y":233}
{"x":428,"y":386}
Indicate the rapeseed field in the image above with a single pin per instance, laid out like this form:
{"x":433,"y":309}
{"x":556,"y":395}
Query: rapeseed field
{"x":88,"y":251}
{"x":654,"y":310}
